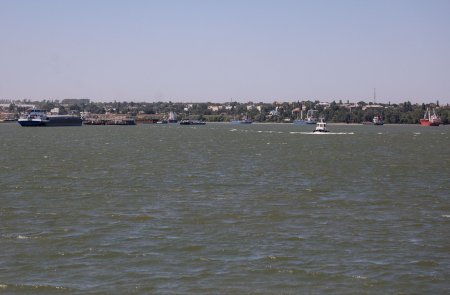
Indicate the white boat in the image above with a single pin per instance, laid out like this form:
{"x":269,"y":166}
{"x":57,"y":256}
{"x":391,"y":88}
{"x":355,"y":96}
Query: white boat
{"x":321,"y":126}
{"x":172,"y":118}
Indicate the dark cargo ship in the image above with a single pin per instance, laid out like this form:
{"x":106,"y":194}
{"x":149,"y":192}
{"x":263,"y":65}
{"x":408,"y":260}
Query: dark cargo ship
{"x":38,"y":118}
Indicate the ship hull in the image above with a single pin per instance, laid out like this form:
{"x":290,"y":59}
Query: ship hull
{"x":121,"y":122}
{"x":430,"y":119}
{"x":426,"y":122}
{"x":192,"y":122}
{"x":299,"y":122}
{"x":53,"y":121}
{"x":31,"y":123}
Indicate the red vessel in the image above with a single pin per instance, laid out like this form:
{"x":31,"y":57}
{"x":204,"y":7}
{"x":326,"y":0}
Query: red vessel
{"x":430,"y":119}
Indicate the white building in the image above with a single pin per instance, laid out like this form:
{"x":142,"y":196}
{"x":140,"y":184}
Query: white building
{"x":215,"y":108}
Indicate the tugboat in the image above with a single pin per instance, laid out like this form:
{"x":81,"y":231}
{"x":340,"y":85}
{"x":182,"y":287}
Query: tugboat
{"x":430,"y":119}
{"x":321,"y":126}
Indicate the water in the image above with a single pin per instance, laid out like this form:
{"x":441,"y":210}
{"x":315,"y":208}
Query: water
{"x":224,"y":209}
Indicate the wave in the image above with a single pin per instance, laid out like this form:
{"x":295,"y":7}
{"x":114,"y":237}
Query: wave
{"x":22,"y":236}
{"x":34,"y":287}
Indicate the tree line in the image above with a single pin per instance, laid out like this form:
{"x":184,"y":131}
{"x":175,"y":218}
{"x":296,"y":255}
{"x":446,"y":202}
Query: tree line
{"x":336,"y":112}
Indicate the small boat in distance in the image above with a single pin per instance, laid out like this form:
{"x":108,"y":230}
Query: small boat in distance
{"x":378,"y":120}
{"x":311,"y":117}
{"x":172,"y":118}
{"x":300,"y":121}
{"x":430,"y":119}
{"x":321,"y":126}
{"x":245,"y":120}
{"x":192,"y":122}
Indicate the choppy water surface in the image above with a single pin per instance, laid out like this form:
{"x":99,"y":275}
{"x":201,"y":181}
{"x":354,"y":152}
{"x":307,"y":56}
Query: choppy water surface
{"x":224,"y":209}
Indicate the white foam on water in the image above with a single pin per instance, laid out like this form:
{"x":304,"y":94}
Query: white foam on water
{"x":324,"y":133}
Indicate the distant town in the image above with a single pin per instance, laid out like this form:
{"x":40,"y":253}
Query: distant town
{"x":280,"y":112}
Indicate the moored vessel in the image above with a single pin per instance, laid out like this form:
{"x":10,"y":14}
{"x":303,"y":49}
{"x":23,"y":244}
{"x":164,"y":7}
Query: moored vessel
{"x":378,"y":120}
{"x":192,"y":122}
{"x":300,"y":121}
{"x":36,"y":117}
{"x":245,"y":120}
{"x":33,"y":118}
{"x":172,"y":118}
{"x":311,"y":117}
{"x":121,"y":121}
{"x":430,"y":119}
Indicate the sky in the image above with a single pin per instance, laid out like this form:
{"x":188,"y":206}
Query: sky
{"x":226,"y":50}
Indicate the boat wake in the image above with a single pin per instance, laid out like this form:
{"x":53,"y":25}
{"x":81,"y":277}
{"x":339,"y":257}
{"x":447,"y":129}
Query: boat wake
{"x":256,"y":131}
{"x":324,"y":133}
{"x":292,"y":132}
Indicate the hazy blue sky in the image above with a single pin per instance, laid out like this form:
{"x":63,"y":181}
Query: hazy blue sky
{"x":211,"y":50}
